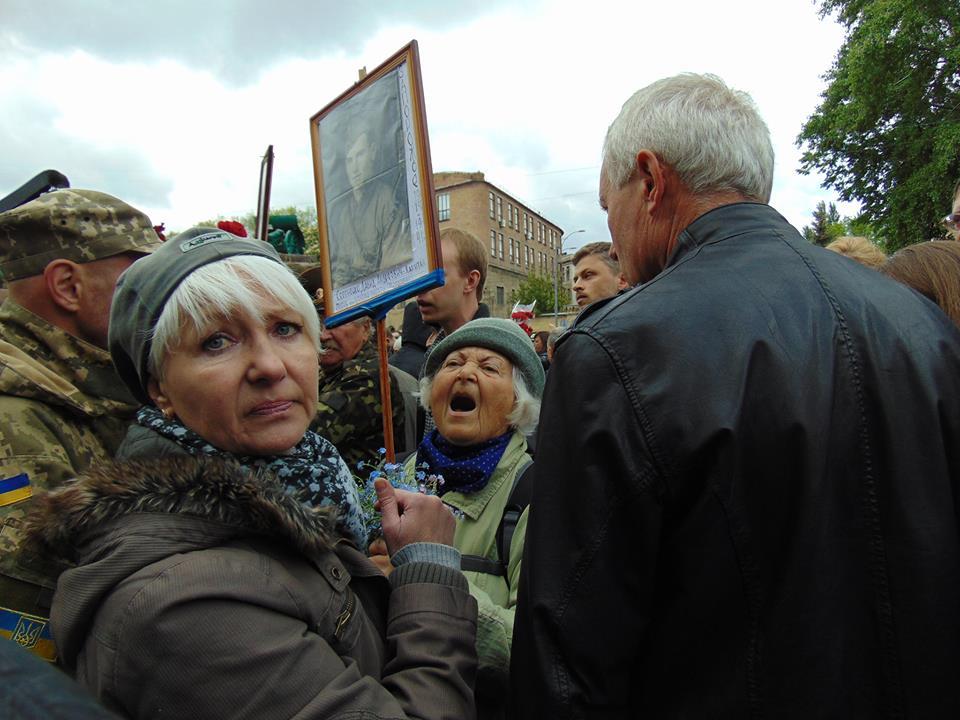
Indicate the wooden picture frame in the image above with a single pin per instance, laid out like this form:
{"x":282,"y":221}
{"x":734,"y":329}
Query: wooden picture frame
{"x":376,"y":210}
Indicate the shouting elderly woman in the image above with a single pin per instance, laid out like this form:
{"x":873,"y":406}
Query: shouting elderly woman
{"x":483,"y":384}
{"x":216,"y":573}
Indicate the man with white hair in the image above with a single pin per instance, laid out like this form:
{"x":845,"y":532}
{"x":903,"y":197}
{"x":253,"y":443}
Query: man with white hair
{"x":747,"y":472}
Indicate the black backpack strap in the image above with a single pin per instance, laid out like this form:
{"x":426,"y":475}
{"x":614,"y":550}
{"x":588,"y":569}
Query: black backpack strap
{"x":517,"y":502}
{"x":475,"y":563}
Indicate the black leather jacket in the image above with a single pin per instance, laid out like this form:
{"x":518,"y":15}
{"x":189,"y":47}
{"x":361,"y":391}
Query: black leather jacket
{"x":746,"y":499}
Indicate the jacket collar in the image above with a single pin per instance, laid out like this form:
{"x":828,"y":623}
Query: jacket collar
{"x":70,"y":522}
{"x":723,"y":223}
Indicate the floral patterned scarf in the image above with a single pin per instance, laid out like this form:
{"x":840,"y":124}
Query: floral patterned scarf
{"x":312,"y":471}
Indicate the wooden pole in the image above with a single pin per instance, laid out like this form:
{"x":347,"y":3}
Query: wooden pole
{"x":385,"y":399}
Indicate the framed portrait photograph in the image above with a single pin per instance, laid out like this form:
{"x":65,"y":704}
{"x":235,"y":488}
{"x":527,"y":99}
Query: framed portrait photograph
{"x":374,"y":184}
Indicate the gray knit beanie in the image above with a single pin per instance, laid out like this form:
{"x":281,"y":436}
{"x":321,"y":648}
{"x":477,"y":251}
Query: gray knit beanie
{"x":503,"y":336}
{"x":144,"y":288}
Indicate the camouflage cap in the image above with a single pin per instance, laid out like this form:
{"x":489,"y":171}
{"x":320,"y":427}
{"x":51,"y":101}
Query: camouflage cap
{"x":77,"y":225}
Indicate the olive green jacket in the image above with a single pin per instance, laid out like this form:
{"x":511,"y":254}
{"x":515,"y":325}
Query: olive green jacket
{"x":62,"y":409}
{"x":476,"y":534}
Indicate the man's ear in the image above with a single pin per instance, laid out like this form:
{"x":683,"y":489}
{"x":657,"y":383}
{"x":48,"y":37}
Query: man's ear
{"x":622,"y":283}
{"x":64,"y":283}
{"x":651,"y":174}
{"x":472,"y":280}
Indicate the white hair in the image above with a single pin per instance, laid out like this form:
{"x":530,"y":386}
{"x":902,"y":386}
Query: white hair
{"x":526,"y":408}
{"x":222,"y":288}
{"x":710,"y":134}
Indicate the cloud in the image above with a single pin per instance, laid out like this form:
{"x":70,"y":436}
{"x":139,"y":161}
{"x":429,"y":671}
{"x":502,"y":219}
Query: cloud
{"x":33,"y":144}
{"x":175,"y":102}
{"x":233,"y":40}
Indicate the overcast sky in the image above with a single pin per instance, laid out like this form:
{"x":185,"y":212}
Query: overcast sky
{"x":170,"y":105}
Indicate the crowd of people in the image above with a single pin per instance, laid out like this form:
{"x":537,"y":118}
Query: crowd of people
{"x":729,"y":489}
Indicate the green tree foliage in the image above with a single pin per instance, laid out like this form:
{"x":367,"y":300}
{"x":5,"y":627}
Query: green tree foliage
{"x":536,"y":287}
{"x":826,"y":225}
{"x":887,"y":132}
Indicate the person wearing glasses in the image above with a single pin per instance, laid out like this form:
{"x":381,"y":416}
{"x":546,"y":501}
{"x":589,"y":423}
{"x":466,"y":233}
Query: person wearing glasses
{"x":952,"y":221}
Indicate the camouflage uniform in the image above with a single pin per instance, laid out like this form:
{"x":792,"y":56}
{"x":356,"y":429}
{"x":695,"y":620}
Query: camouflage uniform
{"x":62,"y":409}
{"x":62,"y":405}
{"x":349,"y":413}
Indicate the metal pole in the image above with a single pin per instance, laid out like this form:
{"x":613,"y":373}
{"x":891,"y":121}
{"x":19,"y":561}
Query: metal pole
{"x":556,"y":273}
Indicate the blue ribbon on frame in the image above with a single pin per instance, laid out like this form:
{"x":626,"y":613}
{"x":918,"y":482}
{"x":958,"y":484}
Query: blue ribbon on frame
{"x":378,"y":308}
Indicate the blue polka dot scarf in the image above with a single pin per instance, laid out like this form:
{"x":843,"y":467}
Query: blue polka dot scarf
{"x":312,"y":471}
{"x":465,"y":469}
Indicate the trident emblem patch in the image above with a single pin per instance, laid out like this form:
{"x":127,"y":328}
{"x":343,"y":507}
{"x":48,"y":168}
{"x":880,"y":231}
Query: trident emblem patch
{"x":27,"y":632}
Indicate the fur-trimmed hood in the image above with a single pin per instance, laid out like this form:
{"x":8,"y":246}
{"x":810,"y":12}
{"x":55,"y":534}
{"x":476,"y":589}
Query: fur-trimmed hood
{"x":68,"y":521}
{"x":119,"y":518}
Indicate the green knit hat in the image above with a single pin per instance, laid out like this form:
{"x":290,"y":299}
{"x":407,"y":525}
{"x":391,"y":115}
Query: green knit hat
{"x":144,"y":288}
{"x":503,"y":336}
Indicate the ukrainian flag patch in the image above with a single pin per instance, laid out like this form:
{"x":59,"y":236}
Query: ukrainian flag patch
{"x":29,"y":632}
{"x":14,"y":489}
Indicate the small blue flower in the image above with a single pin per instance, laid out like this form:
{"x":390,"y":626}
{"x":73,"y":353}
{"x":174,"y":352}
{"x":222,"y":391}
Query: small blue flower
{"x":382,"y":451}
{"x":421,"y":475}
{"x":390,"y":467}
{"x":360,"y":465}
{"x":375,"y":474}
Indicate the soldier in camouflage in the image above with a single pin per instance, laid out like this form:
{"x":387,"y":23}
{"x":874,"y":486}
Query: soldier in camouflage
{"x":349,"y":412}
{"x":62,"y":406}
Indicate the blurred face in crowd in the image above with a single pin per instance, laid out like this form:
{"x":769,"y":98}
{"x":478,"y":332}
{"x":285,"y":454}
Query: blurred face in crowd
{"x":953,"y":221}
{"x":594,"y":279}
{"x":343,"y":342}
{"x":359,"y":161}
{"x":246,"y":386}
{"x":440,"y":305}
{"x":472,"y":395}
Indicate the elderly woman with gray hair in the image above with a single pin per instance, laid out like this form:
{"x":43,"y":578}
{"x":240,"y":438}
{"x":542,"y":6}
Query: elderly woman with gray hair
{"x":216,"y":572}
{"x":483,"y":384}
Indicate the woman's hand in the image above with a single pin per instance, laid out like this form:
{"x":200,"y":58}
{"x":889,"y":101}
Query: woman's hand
{"x":409,"y":517}
{"x":380,"y":557}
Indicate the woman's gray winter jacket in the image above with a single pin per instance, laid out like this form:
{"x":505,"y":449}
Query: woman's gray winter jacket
{"x":203,"y":591}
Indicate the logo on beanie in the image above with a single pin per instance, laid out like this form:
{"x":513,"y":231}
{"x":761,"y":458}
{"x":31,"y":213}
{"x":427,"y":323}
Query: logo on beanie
{"x":205,"y":239}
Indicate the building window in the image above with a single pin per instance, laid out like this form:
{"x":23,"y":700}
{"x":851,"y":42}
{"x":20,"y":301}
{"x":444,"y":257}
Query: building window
{"x":526,"y":256}
{"x":500,"y":245}
{"x":491,"y":205}
{"x":509,"y":215}
{"x":551,"y":239}
{"x":526,"y":223}
{"x":499,"y":294}
{"x":443,"y":206}
{"x":493,"y":243}
{"x":500,"y":210}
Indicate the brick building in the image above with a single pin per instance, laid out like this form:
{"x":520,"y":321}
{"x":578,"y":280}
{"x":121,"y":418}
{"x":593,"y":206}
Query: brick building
{"x":519,"y":240}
